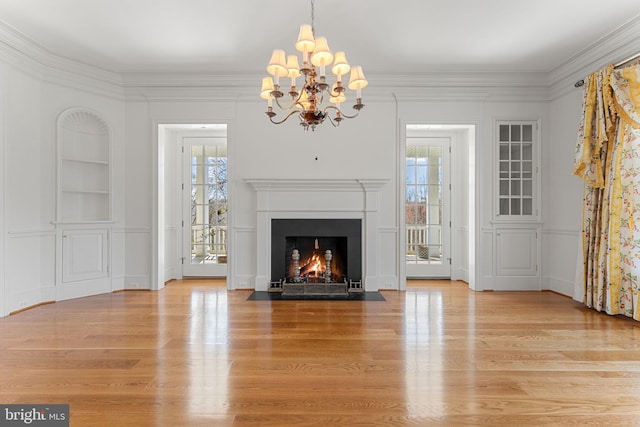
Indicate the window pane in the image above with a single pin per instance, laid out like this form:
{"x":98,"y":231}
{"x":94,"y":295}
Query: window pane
{"x":515,"y":188}
{"x":527,"y":188}
{"x":504,"y":169}
{"x":515,"y":206}
{"x":504,"y":206}
{"x":504,"y":187}
{"x":515,"y":170}
{"x":411,"y":194}
{"x":504,"y":151}
{"x":435,"y":154}
{"x":411,"y":175}
{"x":504,"y":133}
{"x":527,"y":133}
{"x":515,"y":133}
{"x":515,"y":151}
{"x":527,"y":207}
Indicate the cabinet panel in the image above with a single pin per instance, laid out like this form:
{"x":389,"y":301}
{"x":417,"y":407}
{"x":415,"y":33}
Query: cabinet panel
{"x":516,"y":252}
{"x":84,"y":255}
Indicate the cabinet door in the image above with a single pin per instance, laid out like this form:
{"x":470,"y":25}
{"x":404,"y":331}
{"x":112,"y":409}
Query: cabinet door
{"x":84,"y":255}
{"x":518,"y":147}
{"x":517,"y":253}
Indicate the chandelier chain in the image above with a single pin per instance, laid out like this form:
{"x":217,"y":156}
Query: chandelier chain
{"x":313,"y":18}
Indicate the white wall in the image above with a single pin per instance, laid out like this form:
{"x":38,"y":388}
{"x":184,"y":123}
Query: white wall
{"x":563,"y":201}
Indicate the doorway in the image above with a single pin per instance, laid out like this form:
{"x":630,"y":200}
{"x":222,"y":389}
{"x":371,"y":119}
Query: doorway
{"x":193,"y":202}
{"x":437,"y":201}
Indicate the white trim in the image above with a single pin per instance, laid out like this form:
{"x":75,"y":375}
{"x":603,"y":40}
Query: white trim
{"x":22,"y":234}
{"x":562,"y":231}
{"x":156,"y":280}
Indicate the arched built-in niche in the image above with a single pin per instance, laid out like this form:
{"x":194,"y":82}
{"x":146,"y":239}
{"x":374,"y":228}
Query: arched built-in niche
{"x":84,"y":167}
{"x":83,"y":204}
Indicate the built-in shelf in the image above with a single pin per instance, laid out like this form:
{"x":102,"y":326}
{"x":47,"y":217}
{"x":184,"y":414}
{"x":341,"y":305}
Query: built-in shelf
{"x":84,"y":168}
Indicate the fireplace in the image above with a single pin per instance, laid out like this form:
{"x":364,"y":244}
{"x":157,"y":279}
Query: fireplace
{"x":298,"y":200}
{"x":312,"y":238}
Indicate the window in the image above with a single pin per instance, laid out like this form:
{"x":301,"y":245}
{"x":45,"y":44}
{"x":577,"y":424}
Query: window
{"x":208,"y":203}
{"x":424,"y":216}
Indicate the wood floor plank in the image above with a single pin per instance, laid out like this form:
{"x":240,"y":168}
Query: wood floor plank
{"x":437,"y":354}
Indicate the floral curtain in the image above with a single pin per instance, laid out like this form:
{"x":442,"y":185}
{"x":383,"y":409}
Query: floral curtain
{"x":608,"y":159}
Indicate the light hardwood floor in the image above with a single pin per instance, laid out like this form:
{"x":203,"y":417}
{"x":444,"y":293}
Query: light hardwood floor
{"x":438,"y":354}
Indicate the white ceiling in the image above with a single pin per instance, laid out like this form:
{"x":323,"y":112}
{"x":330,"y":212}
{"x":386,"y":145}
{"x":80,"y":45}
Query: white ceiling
{"x":401,"y":36}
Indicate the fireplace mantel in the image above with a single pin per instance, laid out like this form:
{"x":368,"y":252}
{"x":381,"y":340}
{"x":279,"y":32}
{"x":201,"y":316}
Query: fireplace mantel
{"x":318,"y":198}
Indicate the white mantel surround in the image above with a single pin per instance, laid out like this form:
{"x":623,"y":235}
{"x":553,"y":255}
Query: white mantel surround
{"x":323,"y":199}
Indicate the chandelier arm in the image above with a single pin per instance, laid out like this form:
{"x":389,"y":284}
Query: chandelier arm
{"x":295,"y":102}
{"x":279,"y":105}
{"x":285,"y":118}
{"x":331,"y":121}
{"x":346,"y":116}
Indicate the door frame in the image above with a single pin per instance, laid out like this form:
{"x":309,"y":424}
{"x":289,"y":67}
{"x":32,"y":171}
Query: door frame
{"x":158,"y":220}
{"x":464,"y":226}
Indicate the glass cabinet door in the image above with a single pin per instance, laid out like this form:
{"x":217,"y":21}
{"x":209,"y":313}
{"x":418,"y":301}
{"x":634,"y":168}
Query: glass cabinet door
{"x":516,"y":169}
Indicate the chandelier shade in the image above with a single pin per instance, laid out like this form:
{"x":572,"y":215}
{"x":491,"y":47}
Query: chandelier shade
{"x":340,"y":65}
{"x":315,"y":99}
{"x":278,"y":65}
{"x":306,"y":41}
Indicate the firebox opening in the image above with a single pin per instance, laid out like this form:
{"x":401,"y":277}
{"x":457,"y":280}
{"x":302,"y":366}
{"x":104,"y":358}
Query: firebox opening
{"x":343,"y":237}
{"x":309,"y":264}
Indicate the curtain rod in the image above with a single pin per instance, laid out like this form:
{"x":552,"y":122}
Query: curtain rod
{"x":629,"y":59}
{"x":616,"y":65}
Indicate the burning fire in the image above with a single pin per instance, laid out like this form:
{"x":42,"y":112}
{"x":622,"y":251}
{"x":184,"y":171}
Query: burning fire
{"x":313,"y":266}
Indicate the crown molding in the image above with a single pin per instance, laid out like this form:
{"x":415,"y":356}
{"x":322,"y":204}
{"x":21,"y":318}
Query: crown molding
{"x":21,"y":52}
{"x":459,"y":85}
{"x":615,"y":46}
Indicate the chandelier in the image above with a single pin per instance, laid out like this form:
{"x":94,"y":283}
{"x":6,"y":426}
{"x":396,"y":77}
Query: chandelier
{"x":315,"y":100}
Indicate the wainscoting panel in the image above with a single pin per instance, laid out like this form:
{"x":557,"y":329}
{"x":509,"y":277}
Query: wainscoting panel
{"x":30,"y":268}
{"x":560,"y":258}
{"x":516,"y":253}
{"x":84,"y":255}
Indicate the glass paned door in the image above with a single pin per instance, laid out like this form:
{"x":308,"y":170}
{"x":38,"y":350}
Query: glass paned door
{"x":427,"y":223}
{"x":205,"y":225}
{"x":516,"y":178}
